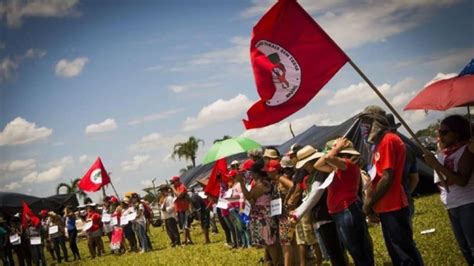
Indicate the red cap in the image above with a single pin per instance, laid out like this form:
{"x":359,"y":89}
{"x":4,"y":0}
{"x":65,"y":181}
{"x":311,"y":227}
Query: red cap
{"x":174,"y":178}
{"x":246,"y":165}
{"x":272,"y":165}
{"x":43,"y":213}
{"x":232,"y":173}
{"x":113,"y":199}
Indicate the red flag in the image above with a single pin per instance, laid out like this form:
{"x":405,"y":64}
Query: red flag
{"x":28,"y":214}
{"x":213,"y":187}
{"x":95,"y":178}
{"x":292,"y":59}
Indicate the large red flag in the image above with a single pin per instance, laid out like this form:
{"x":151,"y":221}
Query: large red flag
{"x":292,"y":59}
{"x":95,"y":178}
{"x":213,"y":187}
{"x":28,"y":214}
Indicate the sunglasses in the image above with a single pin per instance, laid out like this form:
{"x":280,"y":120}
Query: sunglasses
{"x":443,"y":132}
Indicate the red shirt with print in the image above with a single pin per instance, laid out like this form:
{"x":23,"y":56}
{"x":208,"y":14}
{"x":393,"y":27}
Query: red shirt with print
{"x":344,"y":188}
{"x":181,"y":204}
{"x":390,"y":154}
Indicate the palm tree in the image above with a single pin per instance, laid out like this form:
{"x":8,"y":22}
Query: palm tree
{"x":182,"y":171}
{"x":187,"y":149}
{"x":73,"y":187}
{"x":223,"y":138}
{"x":150,"y":195}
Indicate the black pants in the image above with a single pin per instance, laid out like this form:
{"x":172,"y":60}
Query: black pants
{"x":333,"y":246}
{"x":73,"y":242}
{"x":172,"y":230}
{"x":57,"y":242}
{"x":37,"y":255}
{"x":130,"y":235}
{"x":226,"y":229}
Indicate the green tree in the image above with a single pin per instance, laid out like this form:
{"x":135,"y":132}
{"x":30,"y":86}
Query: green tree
{"x":187,"y":150}
{"x":430,"y":131}
{"x":182,"y":171}
{"x":73,"y":187}
{"x":223,"y":138}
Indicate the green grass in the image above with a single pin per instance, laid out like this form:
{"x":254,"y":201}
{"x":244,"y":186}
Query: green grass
{"x":438,"y":248}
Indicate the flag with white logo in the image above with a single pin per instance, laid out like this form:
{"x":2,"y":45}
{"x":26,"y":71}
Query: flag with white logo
{"x":95,"y":178}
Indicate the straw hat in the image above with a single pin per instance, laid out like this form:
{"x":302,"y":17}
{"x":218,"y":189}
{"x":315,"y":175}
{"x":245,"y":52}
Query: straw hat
{"x":349,"y":149}
{"x":286,"y":162}
{"x":270,"y":153}
{"x":306,"y":154}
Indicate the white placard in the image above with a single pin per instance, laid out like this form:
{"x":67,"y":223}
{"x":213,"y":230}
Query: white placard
{"x":327,"y":182}
{"x":249,"y":187}
{"x":202,"y":194}
{"x":123,"y":220}
{"x":114,"y":221}
{"x":87,"y":226}
{"x":228,"y":194}
{"x":372,"y":172}
{"x":53,"y":229}
{"x":222,"y":204}
{"x":15,"y":239}
{"x":35,"y":240}
{"x":275,"y":207}
{"x":106,"y":217}
{"x":247,"y":208}
{"x":131,"y":216}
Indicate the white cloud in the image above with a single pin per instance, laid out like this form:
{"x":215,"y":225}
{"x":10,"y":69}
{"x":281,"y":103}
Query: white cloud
{"x":69,"y":69}
{"x":138,"y":160}
{"x":15,"y":10}
{"x":53,"y":173}
{"x":83,"y":158}
{"x":196,"y":85}
{"x":107,"y":125}
{"x":218,"y":111}
{"x":278,"y":133}
{"x":34,"y":53}
{"x":11,"y":186}
{"x":154,"y":117}
{"x":20,"y":165}
{"x":7,"y":69}
{"x":19,"y":131}
{"x":155,"y":141}
{"x":362,"y":93}
{"x":177,"y":88}
{"x":439,"y":77}
{"x":237,"y":53}
{"x":340,"y":19}
{"x":146,"y":183}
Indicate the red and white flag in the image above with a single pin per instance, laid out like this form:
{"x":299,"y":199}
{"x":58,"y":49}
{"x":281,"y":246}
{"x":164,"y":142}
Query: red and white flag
{"x":213,"y":186}
{"x":292,"y":59}
{"x":95,"y":178}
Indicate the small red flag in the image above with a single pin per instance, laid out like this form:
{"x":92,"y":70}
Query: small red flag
{"x":292,"y":59}
{"x":28,"y":214}
{"x":95,"y":178}
{"x":213,"y":187}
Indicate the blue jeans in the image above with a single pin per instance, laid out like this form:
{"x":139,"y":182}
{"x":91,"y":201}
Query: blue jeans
{"x":353,"y":233}
{"x":141,"y":233}
{"x":183,"y":220}
{"x":462,"y":222}
{"x":398,"y":236}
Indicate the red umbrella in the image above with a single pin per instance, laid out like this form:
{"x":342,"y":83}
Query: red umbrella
{"x":445,"y":94}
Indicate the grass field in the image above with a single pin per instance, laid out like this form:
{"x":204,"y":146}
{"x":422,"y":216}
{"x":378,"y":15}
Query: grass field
{"x":438,"y":248}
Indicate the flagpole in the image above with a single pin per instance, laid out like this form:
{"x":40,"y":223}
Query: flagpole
{"x":113,"y":187}
{"x":387,"y":103}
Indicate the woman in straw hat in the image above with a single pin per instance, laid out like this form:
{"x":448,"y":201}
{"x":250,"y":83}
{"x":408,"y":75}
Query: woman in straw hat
{"x":263,"y":229}
{"x":343,"y":202}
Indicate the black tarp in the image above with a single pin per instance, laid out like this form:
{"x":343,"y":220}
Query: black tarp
{"x":11,"y":203}
{"x":317,"y":136}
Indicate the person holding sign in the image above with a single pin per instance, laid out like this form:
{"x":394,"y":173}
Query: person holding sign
{"x":168,"y":214}
{"x":140,"y":223}
{"x":33,"y":230}
{"x":181,"y":205}
{"x":106,"y":216}
{"x":263,"y":229}
{"x":342,"y":200}
{"x":72,"y":232}
{"x":94,"y":231}
{"x":57,"y":233}
{"x":128,"y":209}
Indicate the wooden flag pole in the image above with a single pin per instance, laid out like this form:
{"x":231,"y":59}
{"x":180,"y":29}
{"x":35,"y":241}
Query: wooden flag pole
{"x":113,"y":187}
{"x":387,"y":103}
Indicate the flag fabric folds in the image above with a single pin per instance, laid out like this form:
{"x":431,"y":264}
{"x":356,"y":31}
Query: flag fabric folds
{"x":213,"y":187}
{"x":95,"y":178}
{"x":28,"y":215}
{"x":292,"y":59}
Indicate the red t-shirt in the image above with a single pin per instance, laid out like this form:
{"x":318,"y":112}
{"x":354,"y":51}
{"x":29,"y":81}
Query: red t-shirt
{"x":390,"y":154}
{"x":344,"y":187}
{"x":181,"y":204}
{"x":96,"y":220}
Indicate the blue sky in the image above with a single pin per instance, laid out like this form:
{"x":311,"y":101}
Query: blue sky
{"x":126,"y":81}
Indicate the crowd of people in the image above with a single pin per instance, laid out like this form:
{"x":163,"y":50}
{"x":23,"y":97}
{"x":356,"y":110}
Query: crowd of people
{"x":305,"y":203}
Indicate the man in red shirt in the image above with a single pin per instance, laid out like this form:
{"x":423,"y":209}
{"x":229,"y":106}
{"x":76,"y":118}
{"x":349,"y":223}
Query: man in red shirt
{"x":94,"y":231}
{"x":385,"y":194}
{"x":181,"y":205}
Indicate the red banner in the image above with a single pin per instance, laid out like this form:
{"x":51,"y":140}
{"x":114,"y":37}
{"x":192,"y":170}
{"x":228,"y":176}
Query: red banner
{"x":95,"y":178}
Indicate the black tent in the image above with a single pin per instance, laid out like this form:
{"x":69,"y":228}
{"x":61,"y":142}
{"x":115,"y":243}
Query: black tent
{"x":317,"y":136}
{"x":11,"y":203}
